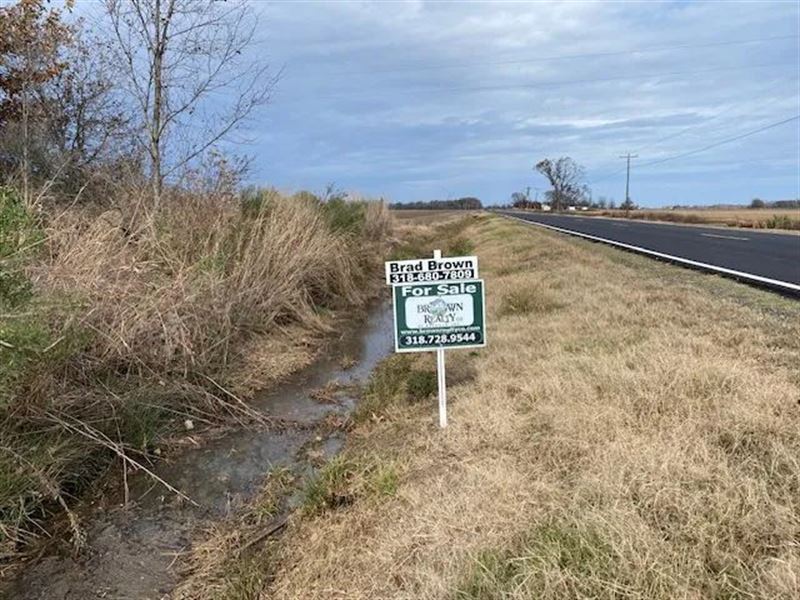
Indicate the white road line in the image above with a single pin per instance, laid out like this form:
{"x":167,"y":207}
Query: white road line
{"x":748,"y":276}
{"x":724,"y":237}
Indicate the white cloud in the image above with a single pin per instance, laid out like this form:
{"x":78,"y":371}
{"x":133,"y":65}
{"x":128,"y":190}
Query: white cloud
{"x":382,"y":97}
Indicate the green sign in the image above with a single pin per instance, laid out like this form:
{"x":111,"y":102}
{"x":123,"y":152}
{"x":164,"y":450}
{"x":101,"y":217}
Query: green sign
{"x":429,"y":316}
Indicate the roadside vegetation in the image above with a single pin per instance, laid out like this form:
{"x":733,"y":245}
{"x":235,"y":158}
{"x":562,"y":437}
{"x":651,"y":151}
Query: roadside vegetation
{"x":630,"y":431}
{"x":118,"y":326}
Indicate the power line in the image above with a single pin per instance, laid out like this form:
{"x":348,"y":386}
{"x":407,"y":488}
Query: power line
{"x":773,"y":100}
{"x":406,"y":68}
{"x":690,"y":128}
{"x":749,"y":161}
{"x":609,"y":176}
{"x":605,"y":79}
{"x":698,"y":150}
{"x":545,"y":84}
{"x":721,"y":142}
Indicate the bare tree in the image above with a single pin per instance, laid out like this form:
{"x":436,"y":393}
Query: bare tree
{"x":88,"y":117}
{"x":186,"y":71}
{"x":566,"y":178}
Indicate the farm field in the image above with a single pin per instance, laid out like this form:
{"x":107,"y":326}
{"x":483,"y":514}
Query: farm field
{"x":752,"y":218}
{"x":422,"y":216}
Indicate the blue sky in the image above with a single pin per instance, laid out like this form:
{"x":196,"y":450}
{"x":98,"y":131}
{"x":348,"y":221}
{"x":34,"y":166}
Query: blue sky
{"x":434,"y":100}
{"x":423,"y":100}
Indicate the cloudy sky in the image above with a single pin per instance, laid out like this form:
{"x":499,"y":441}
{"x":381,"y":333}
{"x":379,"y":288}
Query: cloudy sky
{"x":422,"y":100}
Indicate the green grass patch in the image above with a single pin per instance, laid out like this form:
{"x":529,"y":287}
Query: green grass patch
{"x":331,"y":488}
{"x":20,"y":233}
{"x":22,"y":341}
{"x":397,"y":381}
{"x":20,"y":237}
{"x":346,"y":479}
{"x":414,"y":247}
{"x":386,"y":386}
{"x":141,"y":424}
{"x":345,"y":216}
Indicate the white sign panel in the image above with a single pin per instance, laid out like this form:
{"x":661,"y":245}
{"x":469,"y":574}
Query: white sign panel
{"x":452,"y":268}
{"x":433,"y":313}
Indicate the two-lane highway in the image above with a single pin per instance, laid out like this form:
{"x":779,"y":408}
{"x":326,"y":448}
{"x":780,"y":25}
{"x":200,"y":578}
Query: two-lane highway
{"x":768,"y":258}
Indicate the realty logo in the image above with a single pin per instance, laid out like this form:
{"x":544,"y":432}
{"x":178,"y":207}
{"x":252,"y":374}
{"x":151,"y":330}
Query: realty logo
{"x":437,"y":312}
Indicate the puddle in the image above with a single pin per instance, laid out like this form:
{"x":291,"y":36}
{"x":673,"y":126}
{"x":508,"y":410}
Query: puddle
{"x":130,"y":551}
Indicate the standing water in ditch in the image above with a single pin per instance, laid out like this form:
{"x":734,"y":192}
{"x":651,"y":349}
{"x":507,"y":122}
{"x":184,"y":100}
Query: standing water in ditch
{"x":130,"y":552}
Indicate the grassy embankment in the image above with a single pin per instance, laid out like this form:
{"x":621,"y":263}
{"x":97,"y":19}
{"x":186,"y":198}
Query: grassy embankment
{"x":632,"y":430}
{"x":119,"y":327}
{"x":751,"y":218}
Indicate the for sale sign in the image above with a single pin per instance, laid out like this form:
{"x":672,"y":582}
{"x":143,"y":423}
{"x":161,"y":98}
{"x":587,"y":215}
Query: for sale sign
{"x":432,"y":316}
{"x":452,"y":268}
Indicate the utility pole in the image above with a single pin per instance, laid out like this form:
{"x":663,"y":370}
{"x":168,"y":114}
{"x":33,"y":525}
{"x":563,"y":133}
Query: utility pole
{"x":628,"y":156}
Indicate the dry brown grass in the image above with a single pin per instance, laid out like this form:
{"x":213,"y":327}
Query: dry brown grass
{"x":178,"y":291}
{"x":640,"y":438}
{"x":139,"y":319}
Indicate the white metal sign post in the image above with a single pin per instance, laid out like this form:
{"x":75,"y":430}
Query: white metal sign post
{"x":440,"y":372}
{"x":442,"y":388}
{"x":438,"y":304}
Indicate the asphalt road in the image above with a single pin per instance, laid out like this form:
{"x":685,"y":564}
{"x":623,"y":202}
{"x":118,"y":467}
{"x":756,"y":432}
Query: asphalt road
{"x":771,"y":256}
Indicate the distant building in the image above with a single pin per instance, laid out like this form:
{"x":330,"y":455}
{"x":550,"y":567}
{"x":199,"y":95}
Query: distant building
{"x":571,"y":208}
{"x":545,"y":207}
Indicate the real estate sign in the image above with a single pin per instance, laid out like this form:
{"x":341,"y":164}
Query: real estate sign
{"x":433,"y":316}
{"x":452,"y":268}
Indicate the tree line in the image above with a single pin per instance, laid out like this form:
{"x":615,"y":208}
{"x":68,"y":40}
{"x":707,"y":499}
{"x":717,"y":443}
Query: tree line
{"x":466,"y":203}
{"x":759,"y":203}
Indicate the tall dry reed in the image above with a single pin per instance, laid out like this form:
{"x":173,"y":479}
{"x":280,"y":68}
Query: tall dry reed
{"x":136,"y":316}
